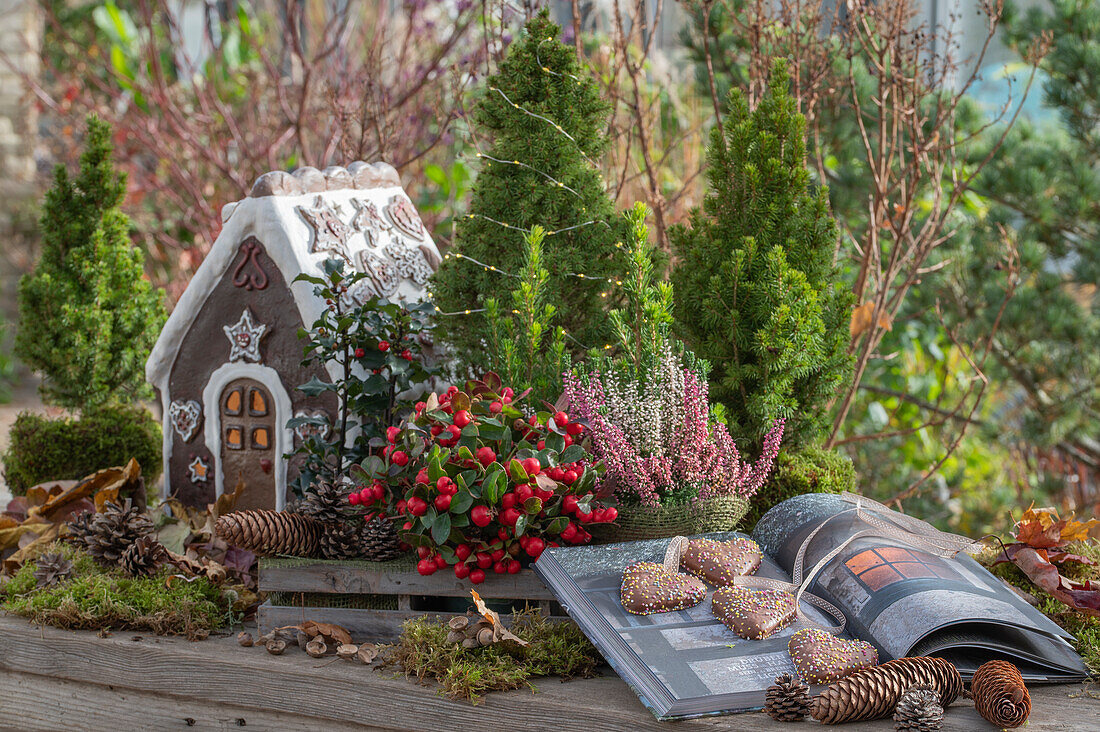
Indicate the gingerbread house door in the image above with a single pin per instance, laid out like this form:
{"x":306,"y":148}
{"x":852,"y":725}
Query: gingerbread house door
{"x":248,"y":443}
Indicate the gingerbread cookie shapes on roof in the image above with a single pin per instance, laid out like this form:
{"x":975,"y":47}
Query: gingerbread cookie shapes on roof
{"x":228,"y":361}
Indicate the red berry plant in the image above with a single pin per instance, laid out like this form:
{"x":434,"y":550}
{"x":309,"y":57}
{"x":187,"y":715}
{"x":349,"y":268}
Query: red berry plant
{"x":481,"y":487}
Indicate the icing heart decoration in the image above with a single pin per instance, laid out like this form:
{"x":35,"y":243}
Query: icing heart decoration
{"x":754,"y":614}
{"x":820,"y":657}
{"x":718,"y":562}
{"x":649,"y":587}
{"x":185,"y":416}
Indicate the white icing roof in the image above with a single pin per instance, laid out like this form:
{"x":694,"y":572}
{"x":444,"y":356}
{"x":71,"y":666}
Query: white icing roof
{"x":272,"y":214}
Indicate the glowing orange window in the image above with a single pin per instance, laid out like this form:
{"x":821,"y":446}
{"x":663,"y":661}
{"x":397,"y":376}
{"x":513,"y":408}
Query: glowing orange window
{"x":257,"y":402}
{"x":233,"y":438}
{"x":260,"y":438}
{"x":233,"y":402}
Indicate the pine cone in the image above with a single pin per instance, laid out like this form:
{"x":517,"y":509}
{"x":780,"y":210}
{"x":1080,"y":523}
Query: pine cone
{"x":340,"y":540}
{"x":1000,"y":694}
{"x":873,"y":693}
{"x":51,"y":569}
{"x":108,"y":534}
{"x":80,"y":528}
{"x":327,"y":502}
{"x":788,"y":700}
{"x":270,"y":532}
{"x":144,"y":557}
{"x":379,"y":541}
{"x":919,"y":710}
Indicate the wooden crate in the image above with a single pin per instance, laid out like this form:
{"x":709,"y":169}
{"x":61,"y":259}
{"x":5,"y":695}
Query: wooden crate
{"x":373,"y":599}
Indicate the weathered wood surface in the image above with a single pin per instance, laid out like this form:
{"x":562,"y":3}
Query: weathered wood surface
{"x":348,"y":579}
{"x":54,"y":679}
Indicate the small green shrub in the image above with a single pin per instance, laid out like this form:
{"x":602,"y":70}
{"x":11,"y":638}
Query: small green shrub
{"x":69,"y":448}
{"x":94,"y":598}
{"x":556,"y":649}
{"x":812,"y":470}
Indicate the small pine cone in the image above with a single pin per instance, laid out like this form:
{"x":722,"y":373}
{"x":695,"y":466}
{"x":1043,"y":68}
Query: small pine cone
{"x":919,"y":710}
{"x":1000,"y":694}
{"x":340,"y":540}
{"x":379,"y":541}
{"x":110,"y":533}
{"x":270,"y":532}
{"x":143,"y":557}
{"x":79,"y":529}
{"x":788,"y":700}
{"x":51,"y":569}
{"x":326,"y":502}
{"x":873,"y":693}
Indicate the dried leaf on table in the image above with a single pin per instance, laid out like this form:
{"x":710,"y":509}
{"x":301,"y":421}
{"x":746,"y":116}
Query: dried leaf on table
{"x":499,"y":631}
{"x":7,"y":522}
{"x":35,"y":543}
{"x":10,"y":536}
{"x":329,"y":630}
{"x":173,"y":535}
{"x":1083,"y":596}
{"x":111,"y":481}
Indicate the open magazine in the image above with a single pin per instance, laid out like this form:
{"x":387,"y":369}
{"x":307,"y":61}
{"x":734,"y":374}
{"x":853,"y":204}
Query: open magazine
{"x":904,"y":600}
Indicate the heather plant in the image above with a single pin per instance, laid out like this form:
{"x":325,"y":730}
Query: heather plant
{"x":657,"y":439}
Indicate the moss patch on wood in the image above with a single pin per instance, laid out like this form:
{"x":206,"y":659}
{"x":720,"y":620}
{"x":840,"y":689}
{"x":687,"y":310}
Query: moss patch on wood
{"x":556,"y":649}
{"x":1085,"y":628}
{"x":96,"y":598}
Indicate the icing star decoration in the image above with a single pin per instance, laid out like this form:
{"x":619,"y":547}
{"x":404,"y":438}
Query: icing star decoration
{"x":198,"y":470}
{"x":244,"y":338}
{"x":330,"y":234}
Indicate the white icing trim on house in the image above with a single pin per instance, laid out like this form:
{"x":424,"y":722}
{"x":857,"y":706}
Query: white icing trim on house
{"x":287,"y":238}
{"x":166,"y":445}
{"x":284,"y":436}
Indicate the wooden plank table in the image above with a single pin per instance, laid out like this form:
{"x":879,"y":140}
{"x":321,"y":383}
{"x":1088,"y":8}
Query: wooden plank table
{"x":54,"y":679}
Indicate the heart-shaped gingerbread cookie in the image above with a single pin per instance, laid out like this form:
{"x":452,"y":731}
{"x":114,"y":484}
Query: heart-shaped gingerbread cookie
{"x":754,"y":614}
{"x":821,"y":658}
{"x":718,"y":562}
{"x":649,"y":587}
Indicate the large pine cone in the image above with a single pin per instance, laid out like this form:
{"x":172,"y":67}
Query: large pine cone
{"x":873,"y":693}
{"x":919,"y":710}
{"x":144,"y":557}
{"x":1000,"y":695}
{"x":271,"y":532}
{"x":327,"y":502}
{"x":109,"y":534}
{"x":340,"y":540}
{"x":788,"y":700}
{"x":379,"y":541}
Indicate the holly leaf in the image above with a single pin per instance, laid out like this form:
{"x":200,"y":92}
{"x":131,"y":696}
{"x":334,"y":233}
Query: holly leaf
{"x":315,"y":387}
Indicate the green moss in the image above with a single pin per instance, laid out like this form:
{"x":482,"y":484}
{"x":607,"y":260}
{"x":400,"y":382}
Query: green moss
{"x":94,"y":598}
{"x":556,"y":649}
{"x":812,"y":470}
{"x":45,"y":449}
{"x":1085,"y":628}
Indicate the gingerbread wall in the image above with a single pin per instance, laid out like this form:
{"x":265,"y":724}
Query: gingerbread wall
{"x":254,"y":283}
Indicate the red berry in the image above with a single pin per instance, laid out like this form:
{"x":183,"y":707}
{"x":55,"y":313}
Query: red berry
{"x":541,"y":444}
{"x":502,"y":534}
{"x":359,"y":353}
{"x":485,"y":456}
{"x":408,"y":525}
{"x":400,"y":457}
{"x":584,"y":516}
{"x":514,"y":567}
{"x":570,"y":477}
{"x":523,"y":492}
{"x":436,"y":429}
{"x":392,"y":434}
{"x":366,"y":497}
{"x":462,"y":551}
{"x":481,"y":516}
{"x":574,"y":428}
{"x":383,"y":346}
{"x":570,"y":532}
{"x":610,"y":514}
{"x":509,"y":516}
{"x":533,"y":420}
{"x":378,"y":491}
{"x":400,"y":506}
{"x":556,"y":474}
{"x":423,"y":552}
{"x":462,"y":571}
{"x":407,"y":355}
{"x":420,"y":407}
{"x":442,"y":502}
{"x":499,"y":568}
{"x":452,"y":390}
{"x":418,"y":506}
{"x":535,"y":547}
{"x":353,"y":499}
{"x":442,"y":483}
{"x":387,"y":450}
{"x":567,"y":440}
{"x":495,"y":408}
{"x":455,"y":431}
{"x":598,"y":515}
{"x":422,"y":476}
{"x":463,"y":418}
{"x":477,"y":576}
{"x":508,"y":392}
{"x":497,"y":555}
{"x":531,"y":465}
{"x":440,"y":561}
{"x":426,"y":567}
{"x":484,"y":560}
{"x":508,"y":500}
{"x":569,"y":504}
{"x":561,"y":419}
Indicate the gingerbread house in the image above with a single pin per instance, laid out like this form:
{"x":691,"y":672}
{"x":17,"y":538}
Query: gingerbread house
{"x":228,"y":363}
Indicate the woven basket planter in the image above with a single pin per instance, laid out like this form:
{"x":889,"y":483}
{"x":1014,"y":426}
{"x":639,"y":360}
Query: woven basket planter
{"x":645,"y":522}
{"x":719,"y":513}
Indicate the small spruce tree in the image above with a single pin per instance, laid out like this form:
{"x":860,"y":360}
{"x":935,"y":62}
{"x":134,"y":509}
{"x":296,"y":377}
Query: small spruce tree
{"x":548,"y":124}
{"x":87,"y":316}
{"x":755,"y":287}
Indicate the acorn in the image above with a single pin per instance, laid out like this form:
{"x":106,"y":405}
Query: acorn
{"x":244,"y":639}
{"x":276,"y":646}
